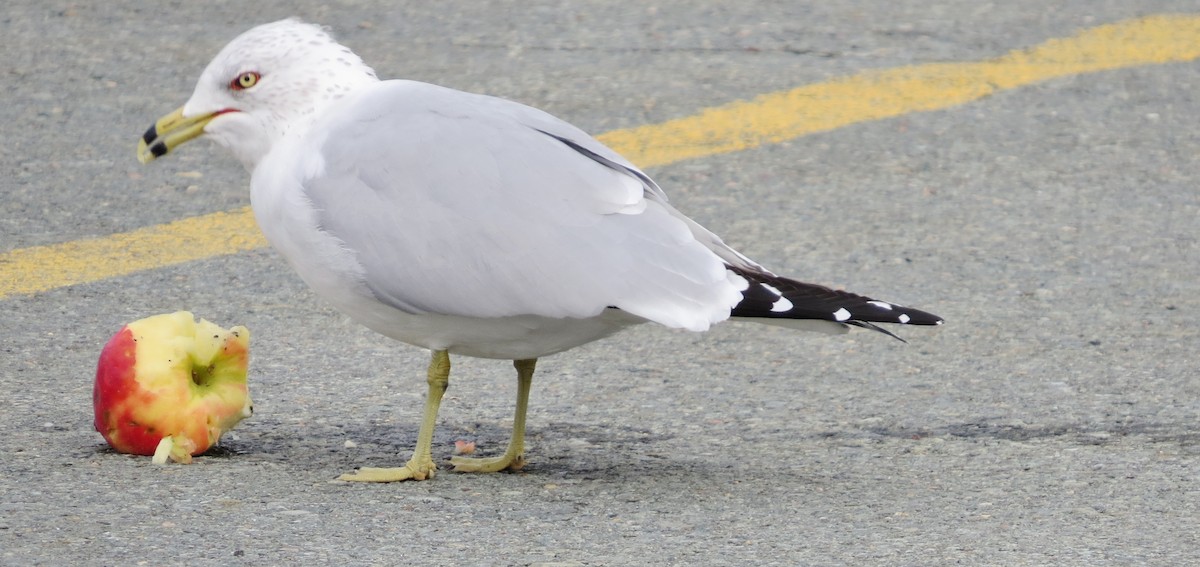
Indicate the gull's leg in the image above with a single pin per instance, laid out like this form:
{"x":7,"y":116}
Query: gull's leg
{"x":513,"y":457}
{"x":420,"y":466}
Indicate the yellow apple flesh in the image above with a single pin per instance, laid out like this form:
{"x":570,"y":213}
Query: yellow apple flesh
{"x":169,"y":386}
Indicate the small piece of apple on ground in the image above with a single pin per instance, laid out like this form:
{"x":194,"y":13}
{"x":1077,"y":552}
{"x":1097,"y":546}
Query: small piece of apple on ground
{"x":169,"y":386}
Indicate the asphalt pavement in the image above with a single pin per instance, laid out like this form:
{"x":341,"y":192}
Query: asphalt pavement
{"x":1051,"y":421}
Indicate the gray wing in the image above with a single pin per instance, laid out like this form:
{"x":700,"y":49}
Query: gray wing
{"x":462,"y":204}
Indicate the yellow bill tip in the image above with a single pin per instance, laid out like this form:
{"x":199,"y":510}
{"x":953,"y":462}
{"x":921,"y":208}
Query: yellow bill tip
{"x":147,"y":153}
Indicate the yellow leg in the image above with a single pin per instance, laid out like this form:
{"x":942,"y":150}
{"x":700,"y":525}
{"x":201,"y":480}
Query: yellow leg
{"x":513,"y":457}
{"x":420,"y":466}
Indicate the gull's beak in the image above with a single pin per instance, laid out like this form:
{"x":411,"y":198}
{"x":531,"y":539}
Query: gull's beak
{"x":169,"y":132}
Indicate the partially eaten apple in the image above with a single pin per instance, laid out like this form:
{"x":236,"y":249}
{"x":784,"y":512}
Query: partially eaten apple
{"x":170,"y":386}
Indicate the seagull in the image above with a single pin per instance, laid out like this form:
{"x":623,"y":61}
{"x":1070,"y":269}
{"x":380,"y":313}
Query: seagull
{"x":468,"y":224}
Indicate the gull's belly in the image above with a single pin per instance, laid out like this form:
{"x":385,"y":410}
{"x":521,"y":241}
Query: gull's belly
{"x":515,"y":338}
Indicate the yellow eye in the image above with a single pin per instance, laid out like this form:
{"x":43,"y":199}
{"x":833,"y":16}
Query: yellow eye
{"x":245,"y":80}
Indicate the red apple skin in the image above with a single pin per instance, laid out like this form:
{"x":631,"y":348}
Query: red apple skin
{"x":117,"y":394}
{"x":137,"y":405}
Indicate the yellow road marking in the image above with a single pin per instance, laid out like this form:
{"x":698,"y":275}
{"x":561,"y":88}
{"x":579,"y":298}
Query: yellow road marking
{"x":41,"y":268}
{"x":767,"y":119}
{"x":873,"y":95}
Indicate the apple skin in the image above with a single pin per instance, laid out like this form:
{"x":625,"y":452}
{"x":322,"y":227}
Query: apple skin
{"x":170,"y":387}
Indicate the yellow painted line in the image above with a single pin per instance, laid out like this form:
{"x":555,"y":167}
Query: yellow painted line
{"x":767,"y":119}
{"x":42,"y":268}
{"x":873,"y":95}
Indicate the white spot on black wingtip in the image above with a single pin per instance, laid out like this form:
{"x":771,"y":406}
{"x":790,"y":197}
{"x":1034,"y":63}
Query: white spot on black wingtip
{"x":841,"y":314}
{"x":781,"y":305}
{"x":904,"y":318}
{"x":881,"y":304}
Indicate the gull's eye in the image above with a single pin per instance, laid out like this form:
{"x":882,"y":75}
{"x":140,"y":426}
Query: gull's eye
{"x":245,"y":81}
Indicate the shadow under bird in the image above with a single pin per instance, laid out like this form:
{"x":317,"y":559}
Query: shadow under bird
{"x":468,"y":224}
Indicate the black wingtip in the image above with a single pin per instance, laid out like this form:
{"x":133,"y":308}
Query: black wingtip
{"x":773,"y":297}
{"x":918,"y":317}
{"x":876,"y":328}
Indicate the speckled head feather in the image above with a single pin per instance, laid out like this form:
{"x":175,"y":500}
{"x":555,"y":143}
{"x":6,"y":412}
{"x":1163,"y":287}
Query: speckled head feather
{"x":298,"y":68}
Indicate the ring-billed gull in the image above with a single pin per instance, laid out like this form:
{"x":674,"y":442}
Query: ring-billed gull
{"x":468,"y":224}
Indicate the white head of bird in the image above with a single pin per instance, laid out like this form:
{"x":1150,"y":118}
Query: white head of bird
{"x":266,"y":85}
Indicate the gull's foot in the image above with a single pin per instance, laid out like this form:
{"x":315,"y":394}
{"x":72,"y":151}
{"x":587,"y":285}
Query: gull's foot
{"x":410,"y":471}
{"x":493,"y":464}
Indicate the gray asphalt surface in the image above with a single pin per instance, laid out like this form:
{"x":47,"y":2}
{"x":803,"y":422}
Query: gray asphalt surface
{"x":1053,"y":421}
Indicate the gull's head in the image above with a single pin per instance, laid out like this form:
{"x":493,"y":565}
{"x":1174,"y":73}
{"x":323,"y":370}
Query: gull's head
{"x":267,"y":84}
